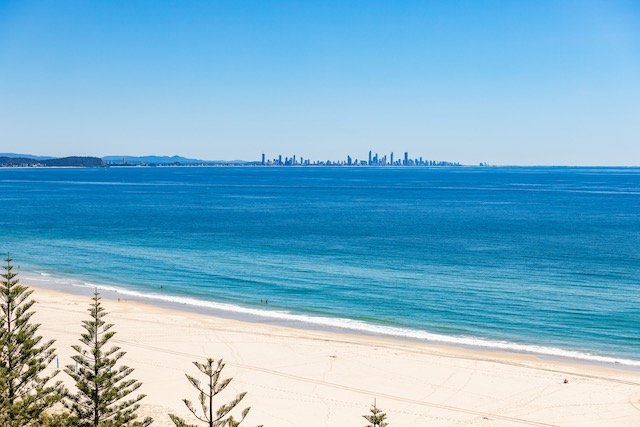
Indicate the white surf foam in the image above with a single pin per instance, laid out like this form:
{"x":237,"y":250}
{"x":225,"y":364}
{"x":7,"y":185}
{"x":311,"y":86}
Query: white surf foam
{"x":350,"y":324}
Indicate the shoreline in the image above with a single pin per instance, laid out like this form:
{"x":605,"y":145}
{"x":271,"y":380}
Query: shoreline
{"x":334,"y":376}
{"x":336,"y":325}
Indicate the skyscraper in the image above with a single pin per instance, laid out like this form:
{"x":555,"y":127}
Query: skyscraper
{"x":406,"y":159}
{"x":263,"y":159}
{"x":391,"y":158}
{"x":369,"y":157}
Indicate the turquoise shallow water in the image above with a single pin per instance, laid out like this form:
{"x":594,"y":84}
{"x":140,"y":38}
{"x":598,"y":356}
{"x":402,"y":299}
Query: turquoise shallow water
{"x":535,"y":259}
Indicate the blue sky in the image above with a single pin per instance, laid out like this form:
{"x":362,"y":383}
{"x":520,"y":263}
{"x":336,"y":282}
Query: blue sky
{"x":506,"y":82}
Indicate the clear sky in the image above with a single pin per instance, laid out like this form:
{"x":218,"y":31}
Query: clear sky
{"x":506,"y":82}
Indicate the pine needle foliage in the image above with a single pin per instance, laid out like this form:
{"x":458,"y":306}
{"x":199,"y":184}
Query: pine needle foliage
{"x":103,"y":387}
{"x":25,"y":392}
{"x":211,"y":369}
{"x":57,"y":420}
{"x":377,"y":418}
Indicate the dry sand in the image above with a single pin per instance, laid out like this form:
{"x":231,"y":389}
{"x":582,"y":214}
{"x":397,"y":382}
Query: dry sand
{"x":314,"y":378}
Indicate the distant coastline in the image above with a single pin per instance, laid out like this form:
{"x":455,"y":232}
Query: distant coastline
{"x":73,"y":161}
{"x":10,"y":160}
{"x":28,"y":160}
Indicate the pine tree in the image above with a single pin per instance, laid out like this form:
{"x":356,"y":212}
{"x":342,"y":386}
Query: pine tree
{"x":103,"y":388}
{"x":24,"y":390}
{"x":211,"y":370}
{"x":377,"y":417}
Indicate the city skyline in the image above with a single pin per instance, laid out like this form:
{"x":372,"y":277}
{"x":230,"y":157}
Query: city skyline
{"x":527,"y":83}
{"x":373,"y":159}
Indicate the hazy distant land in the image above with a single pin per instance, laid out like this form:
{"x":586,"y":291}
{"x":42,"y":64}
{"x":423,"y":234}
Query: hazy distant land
{"x":29,"y":160}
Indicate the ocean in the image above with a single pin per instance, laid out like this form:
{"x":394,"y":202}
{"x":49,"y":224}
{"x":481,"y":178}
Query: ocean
{"x":542,"y":260}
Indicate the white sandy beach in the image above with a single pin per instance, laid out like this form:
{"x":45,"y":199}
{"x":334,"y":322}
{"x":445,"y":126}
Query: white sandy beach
{"x":314,"y":378}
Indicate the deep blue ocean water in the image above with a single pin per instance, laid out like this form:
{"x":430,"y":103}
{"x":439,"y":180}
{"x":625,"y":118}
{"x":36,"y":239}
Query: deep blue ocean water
{"x":537,"y":259}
